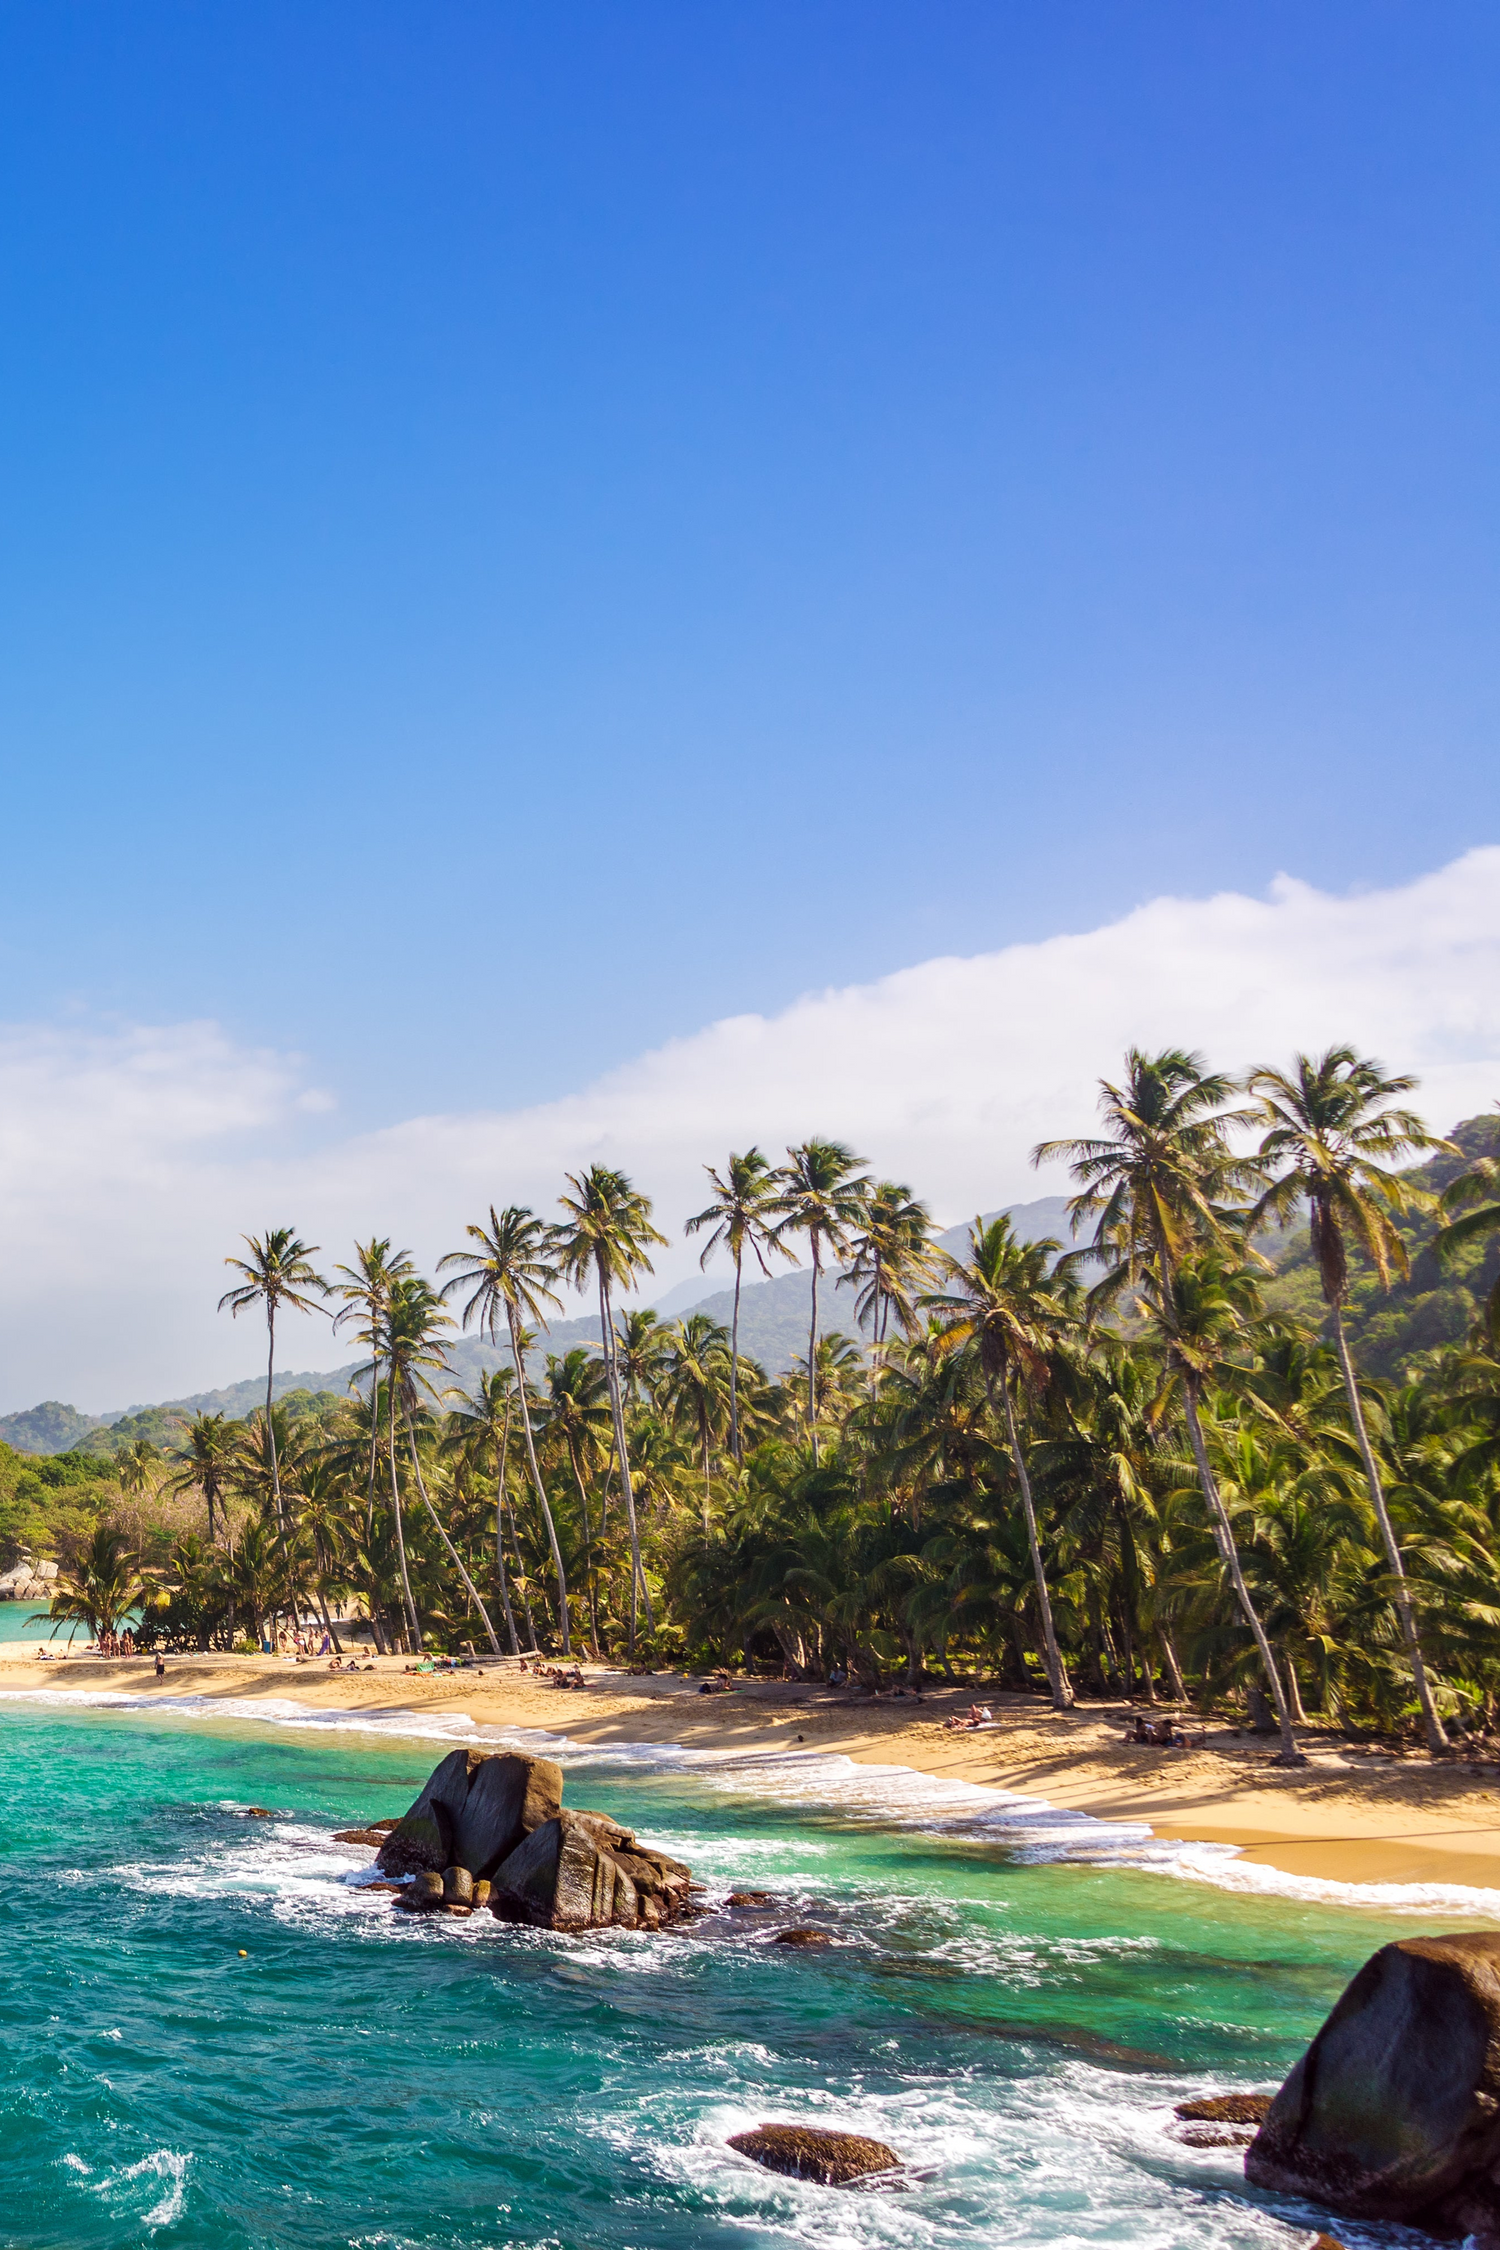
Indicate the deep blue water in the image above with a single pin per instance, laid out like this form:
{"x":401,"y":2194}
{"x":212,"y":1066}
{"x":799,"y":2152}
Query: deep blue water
{"x":1017,"y":2032}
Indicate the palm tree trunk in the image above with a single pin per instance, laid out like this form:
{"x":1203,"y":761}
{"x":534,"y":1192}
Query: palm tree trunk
{"x":539,"y":1487}
{"x":812,"y":1357}
{"x":270,"y":1426}
{"x":1174,"y":1669}
{"x":500,"y":1452}
{"x":1293,"y":1689}
{"x":588,"y":1547}
{"x":411,"y":1607}
{"x":612,"y":1371}
{"x":1289,"y":1754}
{"x":521,"y":1580}
{"x":734,"y":1363}
{"x":453,"y":1554}
{"x":1062,"y":1693}
{"x":1437,"y":1738}
{"x":374,"y":1442}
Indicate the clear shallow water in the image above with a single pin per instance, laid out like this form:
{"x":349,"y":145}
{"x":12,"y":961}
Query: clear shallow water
{"x":1016,"y":2029}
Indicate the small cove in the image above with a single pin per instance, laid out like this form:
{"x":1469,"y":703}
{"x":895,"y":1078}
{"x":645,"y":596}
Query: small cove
{"x":1018,"y":2029}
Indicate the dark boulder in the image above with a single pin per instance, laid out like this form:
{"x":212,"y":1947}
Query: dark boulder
{"x":801,"y":1938}
{"x":475,"y":1809}
{"x":582,"y":1871}
{"x":1394,"y":2111}
{"x":750,"y":1898}
{"x":374,"y":1836}
{"x":422,"y":1892}
{"x":806,"y":2152}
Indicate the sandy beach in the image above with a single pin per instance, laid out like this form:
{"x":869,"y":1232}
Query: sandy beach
{"x":1350,"y":1816}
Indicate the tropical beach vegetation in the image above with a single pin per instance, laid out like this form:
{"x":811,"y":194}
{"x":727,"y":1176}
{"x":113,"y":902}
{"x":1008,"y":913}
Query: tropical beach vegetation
{"x":1189,"y":1452}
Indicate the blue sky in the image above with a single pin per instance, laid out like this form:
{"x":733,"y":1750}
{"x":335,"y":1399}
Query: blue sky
{"x":528,"y":529}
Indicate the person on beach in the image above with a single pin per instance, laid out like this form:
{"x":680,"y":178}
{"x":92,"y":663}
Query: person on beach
{"x":161,"y":1665}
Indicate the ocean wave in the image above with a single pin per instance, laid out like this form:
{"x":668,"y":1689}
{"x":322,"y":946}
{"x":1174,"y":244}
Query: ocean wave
{"x":1026,"y":1828}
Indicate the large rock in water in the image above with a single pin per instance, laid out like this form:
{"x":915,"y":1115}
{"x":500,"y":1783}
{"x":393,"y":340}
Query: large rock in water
{"x":809,"y":2152}
{"x":1394,"y":2111}
{"x":476,"y":1808}
{"x":581,"y":1870}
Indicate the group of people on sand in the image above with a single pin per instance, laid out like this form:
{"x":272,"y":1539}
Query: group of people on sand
{"x":115,"y":1644}
{"x":560,"y":1675}
{"x":1162,"y":1734}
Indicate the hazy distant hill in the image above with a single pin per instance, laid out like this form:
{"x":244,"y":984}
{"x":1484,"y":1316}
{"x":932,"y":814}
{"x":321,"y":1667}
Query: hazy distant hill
{"x":773,"y":1329}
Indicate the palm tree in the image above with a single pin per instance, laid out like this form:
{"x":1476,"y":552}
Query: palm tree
{"x":578,"y":1417}
{"x":482,"y":1418}
{"x":509,"y":1275}
{"x":277,"y":1273}
{"x":1163,"y":1184}
{"x":204,"y":1459}
{"x":415,"y":1320}
{"x":820,"y":1195}
{"x":1329,"y":1125}
{"x":135,"y":1464}
{"x":695,"y":1386}
{"x":606,"y":1236}
{"x":743,"y":1218}
{"x":99,"y":1587}
{"x":643,"y":1345}
{"x":892,"y":1258}
{"x":1480,"y":1181}
{"x":1005,"y":1297}
{"x":365,"y":1289}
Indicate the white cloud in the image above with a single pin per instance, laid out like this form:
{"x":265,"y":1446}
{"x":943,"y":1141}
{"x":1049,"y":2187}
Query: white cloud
{"x":130,"y":1160}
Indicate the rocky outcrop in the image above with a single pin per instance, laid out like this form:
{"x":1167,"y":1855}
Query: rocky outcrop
{"x":476,"y":1808}
{"x":489,"y":1830}
{"x":582,"y":1871}
{"x":801,"y":1938}
{"x":807,"y":2152}
{"x":1394,"y":2110}
{"x":29,"y":1581}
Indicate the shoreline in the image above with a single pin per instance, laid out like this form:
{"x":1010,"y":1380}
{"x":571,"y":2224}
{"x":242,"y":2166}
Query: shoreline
{"x":1347,"y":1818}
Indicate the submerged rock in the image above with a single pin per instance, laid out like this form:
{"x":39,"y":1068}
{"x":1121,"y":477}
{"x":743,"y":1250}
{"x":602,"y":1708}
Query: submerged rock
{"x":374,"y":1836}
{"x":1394,"y":2110}
{"x":802,"y":1937}
{"x":750,"y":1898}
{"x":1226,"y":2109}
{"x":807,"y":2152}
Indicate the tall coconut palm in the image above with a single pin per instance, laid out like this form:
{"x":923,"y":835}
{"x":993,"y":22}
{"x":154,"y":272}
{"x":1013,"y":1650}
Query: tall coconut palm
{"x":278,"y":1274}
{"x":415,"y":1320}
{"x":606,"y":1238}
{"x":365,"y":1288}
{"x":508,"y":1274}
{"x":576,"y":1406}
{"x":1331,"y":1133}
{"x":820,"y":1193}
{"x":699,"y":1375}
{"x":743,"y":1217}
{"x":1006,"y":1298}
{"x":203,"y":1461}
{"x":481,"y":1422}
{"x":1163,"y":1185}
{"x":891,"y":1259}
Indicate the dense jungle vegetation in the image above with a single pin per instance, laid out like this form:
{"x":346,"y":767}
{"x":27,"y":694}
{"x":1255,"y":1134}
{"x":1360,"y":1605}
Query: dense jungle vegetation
{"x":1250,"y":1440}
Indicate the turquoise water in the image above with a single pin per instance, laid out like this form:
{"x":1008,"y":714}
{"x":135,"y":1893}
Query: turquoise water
{"x":14,"y":1625}
{"x":1017,"y":2032}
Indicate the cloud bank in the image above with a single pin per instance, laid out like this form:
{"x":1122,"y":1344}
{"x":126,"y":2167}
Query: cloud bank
{"x":130,"y":1160}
